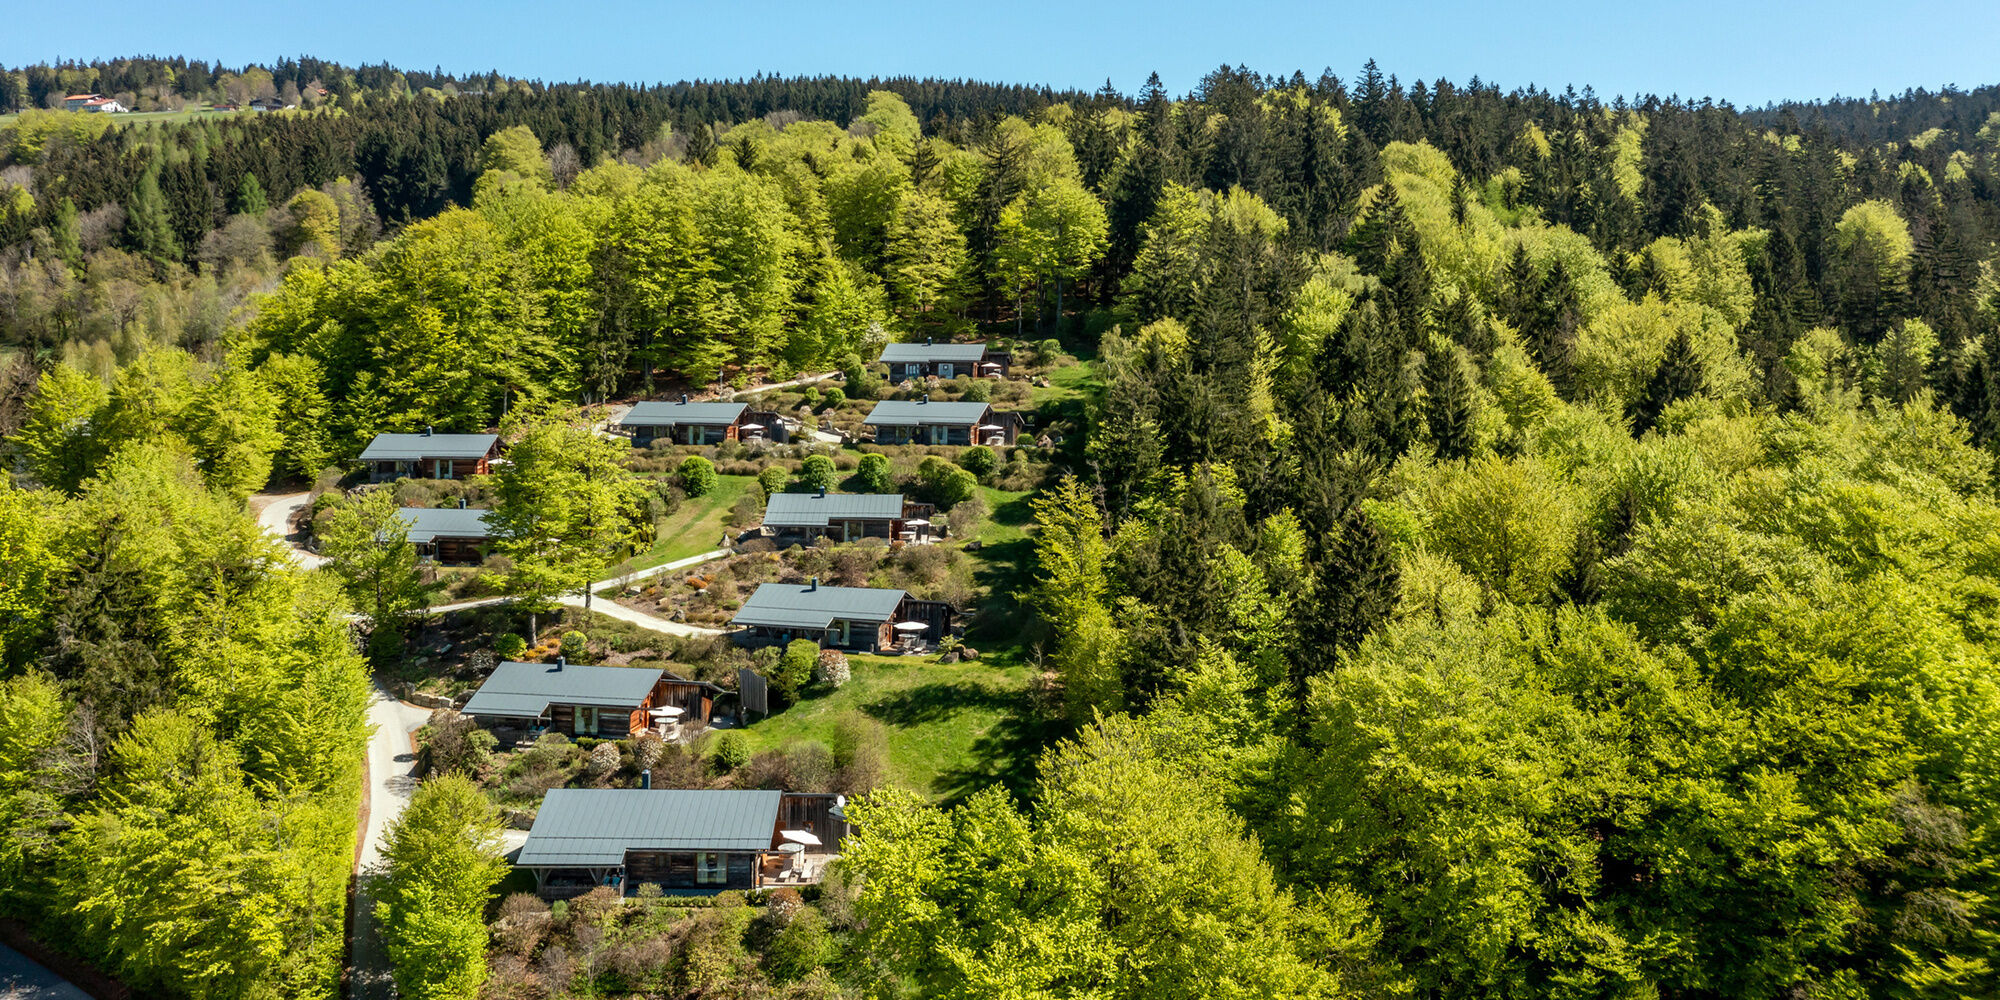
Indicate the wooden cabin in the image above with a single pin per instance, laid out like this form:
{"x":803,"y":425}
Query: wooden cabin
{"x":685,"y":841}
{"x":862,"y":619}
{"x":930,"y":358}
{"x":846,"y":517}
{"x":688,"y":423}
{"x":569,"y":698}
{"x":921,"y":421}
{"x":453,"y":535}
{"x":428,"y":455}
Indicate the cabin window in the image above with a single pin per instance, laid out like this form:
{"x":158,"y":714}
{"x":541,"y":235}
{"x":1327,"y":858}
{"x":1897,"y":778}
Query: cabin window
{"x":586,"y":720}
{"x":708,"y":868}
{"x":945,"y":370}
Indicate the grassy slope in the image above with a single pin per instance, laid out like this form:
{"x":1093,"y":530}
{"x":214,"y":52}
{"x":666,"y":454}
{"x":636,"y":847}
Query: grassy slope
{"x":691,"y":530}
{"x":953,"y":728}
{"x":145,"y":117}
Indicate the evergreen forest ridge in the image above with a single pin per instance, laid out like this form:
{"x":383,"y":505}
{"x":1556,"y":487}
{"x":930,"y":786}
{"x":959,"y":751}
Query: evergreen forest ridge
{"x":1466,"y":543}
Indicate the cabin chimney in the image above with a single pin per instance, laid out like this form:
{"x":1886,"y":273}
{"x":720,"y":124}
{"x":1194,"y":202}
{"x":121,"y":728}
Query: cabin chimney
{"x":427,"y":430}
{"x":929,"y":341}
{"x":561,"y":662}
{"x":461,"y":503}
{"x":821,"y":494}
{"x":815,"y":584}
{"x":925,"y":398}
{"x":684,"y":398}
{"x":645,"y":779}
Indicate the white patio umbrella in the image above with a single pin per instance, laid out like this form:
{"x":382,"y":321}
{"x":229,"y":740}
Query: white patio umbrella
{"x":792,"y":848}
{"x":753,"y":427}
{"x":665,"y":713}
{"x":916,"y":522}
{"x":911,"y":626}
{"x":991,"y":364}
{"x":799,"y":837}
{"x":991,"y":427}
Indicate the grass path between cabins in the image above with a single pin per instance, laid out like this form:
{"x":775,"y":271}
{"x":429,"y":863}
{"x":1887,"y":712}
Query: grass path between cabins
{"x":691,"y":530}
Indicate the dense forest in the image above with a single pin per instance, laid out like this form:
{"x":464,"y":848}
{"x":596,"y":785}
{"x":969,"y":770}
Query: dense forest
{"x":1515,"y":545}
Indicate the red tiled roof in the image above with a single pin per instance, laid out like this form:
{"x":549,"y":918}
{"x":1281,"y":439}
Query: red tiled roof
{"x":83,"y":97}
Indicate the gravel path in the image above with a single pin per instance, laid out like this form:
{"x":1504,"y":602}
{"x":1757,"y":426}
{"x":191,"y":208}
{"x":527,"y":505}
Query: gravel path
{"x":274,"y":513}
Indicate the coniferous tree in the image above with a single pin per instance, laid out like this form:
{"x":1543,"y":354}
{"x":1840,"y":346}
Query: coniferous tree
{"x":1974,"y":401}
{"x":250,"y":199}
{"x":1553,"y":329}
{"x":1355,"y":588}
{"x":1678,"y":377}
{"x":148,"y":225}
{"x":1449,"y":409}
{"x":1521,"y":290}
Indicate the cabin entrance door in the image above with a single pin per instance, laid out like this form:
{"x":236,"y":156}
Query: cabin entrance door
{"x":945,"y":370}
{"x":586,"y":721}
{"x":441,"y":468}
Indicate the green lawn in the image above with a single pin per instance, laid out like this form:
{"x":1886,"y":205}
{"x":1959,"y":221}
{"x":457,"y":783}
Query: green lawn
{"x":146,"y":117}
{"x":1074,"y":382}
{"x":1007,"y":517}
{"x":691,"y":530}
{"x":953,"y":728}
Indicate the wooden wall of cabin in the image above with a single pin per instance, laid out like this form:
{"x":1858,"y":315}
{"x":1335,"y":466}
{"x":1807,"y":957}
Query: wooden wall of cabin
{"x":676,"y":870}
{"x":612,"y":723}
{"x":690,"y":698}
{"x":813,"y":814}
{"x":458,"y":550}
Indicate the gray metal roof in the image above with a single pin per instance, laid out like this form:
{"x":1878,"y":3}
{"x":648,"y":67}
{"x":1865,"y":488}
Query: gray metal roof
{"x":668,"y":413}
{"x":801,"y":605}
{"x":900,"y":353}
{"x":427,"y":523}
{"x":526,"y":690}
{"x":594,"y":827}
{"x":920,"y":414}
{"x":814,"y":510}
{"x":410,"y":447}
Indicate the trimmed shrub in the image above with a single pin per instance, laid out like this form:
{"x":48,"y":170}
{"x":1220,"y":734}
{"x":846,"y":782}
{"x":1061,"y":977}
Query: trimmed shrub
{"x":979,"y":460}
{"x":696,"y":475}
{"x":774,"y":480}
{"x":732,"y":750}
{"x":833,"y":397}
{"x":575,"y":646}
{"x":945,"y":484}
{"x":818,"y":472}
{"x":874,"y":473}
{"x":979,"y":391}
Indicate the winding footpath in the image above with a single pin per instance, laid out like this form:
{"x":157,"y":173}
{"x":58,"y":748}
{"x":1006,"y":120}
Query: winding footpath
{"x":392,"y":761}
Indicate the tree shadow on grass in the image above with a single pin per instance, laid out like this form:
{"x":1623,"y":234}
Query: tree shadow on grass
{"x":1006,"y":572}
{"x":1015,"y":513}
{"x":1005,"y":755}
{"x":936,"y":702}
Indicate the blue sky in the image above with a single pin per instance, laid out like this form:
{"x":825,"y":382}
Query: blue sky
{"x":1745,"y":52}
